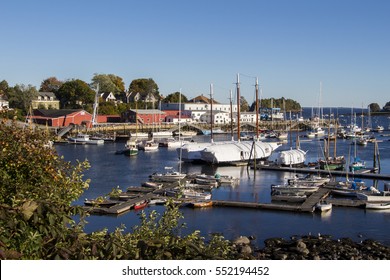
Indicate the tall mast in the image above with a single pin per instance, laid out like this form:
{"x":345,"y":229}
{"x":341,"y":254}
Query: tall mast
{"x":238,"y":107}
{"x":211,"y":115}
{"x":95,"y":106}
{"x":257,"y":108}
{"x":231,"y":115}
{"x":181,"y":144}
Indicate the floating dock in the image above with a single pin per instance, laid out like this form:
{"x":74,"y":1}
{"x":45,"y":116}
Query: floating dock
{"x":366,"y":173}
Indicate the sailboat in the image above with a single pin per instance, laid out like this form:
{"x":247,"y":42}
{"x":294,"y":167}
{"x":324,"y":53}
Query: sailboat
{"x":240,"y":151}
{"x":357,"y":163}
{"x":328,"y":162}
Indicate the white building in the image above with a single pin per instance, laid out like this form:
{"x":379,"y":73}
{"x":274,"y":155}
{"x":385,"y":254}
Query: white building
{"x":219,"y":117}
{"x":198,"y":109}
{"x":4,"y":104}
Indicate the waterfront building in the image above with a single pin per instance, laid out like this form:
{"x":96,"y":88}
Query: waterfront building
{"x":45,"y":100}
{"x":144,"y":116}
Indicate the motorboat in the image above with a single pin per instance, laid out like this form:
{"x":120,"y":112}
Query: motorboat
{"x":378,"y":206}
{"x":308,"y":180}
{"x":82,"y":138}
{"x":148,"y":146}
{"x":190,"y":193}
{"x":323,"y":206}
{"x":169,"y":176}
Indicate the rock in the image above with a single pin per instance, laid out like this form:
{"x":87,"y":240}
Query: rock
{"x":242,"y":240}
{"x":246,"y":250}
{"x":301,"y":244}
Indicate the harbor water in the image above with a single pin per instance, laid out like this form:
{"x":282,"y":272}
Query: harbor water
{"x":109,"y":171}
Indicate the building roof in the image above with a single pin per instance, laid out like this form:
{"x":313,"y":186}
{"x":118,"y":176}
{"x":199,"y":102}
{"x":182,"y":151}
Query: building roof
{"x":105,"y":95}
{"x":202,"y":99}
{"x":148,"y":111}
{"x":47,"y":93}
{"x":56,"y":113}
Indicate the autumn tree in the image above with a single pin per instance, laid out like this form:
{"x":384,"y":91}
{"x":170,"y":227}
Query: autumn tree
{"x":109,"y":83}
{"x":75,"y":94}
{"x":51,"y":84}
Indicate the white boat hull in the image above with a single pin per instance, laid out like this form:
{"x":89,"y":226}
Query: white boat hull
{"x":378,"y":206}
{"x":381,"y":197}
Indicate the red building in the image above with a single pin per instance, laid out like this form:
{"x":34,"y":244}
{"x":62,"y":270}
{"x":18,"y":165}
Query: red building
{"x":65,"y":117}
{"x":151,"y":116}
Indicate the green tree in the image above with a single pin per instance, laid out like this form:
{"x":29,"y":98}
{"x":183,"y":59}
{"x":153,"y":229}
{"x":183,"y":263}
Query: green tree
{"x":51,"y":84}
{"x":107,"y":108}
{"x":75,"y":94}
{"x":36,"y":190}
{"x":144,"y":87}
{"x":244,"y":106}
{"x":118,"y":82}
{"x":387,"y":107}
{"x":20,"y":96}
{"x":174,"y":98}
{"x":374,"y":107}
{"x":289,"y":104}
{"x":109,"y":83}
{"x":3,"y":87}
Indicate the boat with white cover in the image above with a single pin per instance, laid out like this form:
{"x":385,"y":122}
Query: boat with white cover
{"x":240,"y":151}
{"x":292,"y":157}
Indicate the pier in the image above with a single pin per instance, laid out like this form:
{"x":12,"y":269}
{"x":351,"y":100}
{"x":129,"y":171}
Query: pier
{"x":308,"y":206}
{"x":365,"y":173}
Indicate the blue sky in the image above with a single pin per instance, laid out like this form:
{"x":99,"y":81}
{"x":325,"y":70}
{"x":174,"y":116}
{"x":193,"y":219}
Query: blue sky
{"x":290,"y":45}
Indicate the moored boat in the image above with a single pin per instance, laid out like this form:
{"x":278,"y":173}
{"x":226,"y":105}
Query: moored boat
{"x":190,"y":193}
{"x":378,"y":206}
{"x":292,"y":188}
{"x":292,"y":157}
{"x":140,"y":205}
{"x":100,"y":202}
{"x":148,"y":146}
{"x":169,"y":176}
{"x":81,"y":138}
{"x":201,"y":204}
{"x":323,"y":206}
{"x":382,"y":196}
{"x":153,"y":185}
{"x":235,"y":152}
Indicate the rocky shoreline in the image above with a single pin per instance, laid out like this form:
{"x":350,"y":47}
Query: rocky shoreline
{"x":312,"y":248}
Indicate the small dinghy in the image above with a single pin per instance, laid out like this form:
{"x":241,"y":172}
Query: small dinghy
{"x":323,"y":206}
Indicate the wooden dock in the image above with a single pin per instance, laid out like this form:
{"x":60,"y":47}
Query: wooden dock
{"x":366,"y":173}
{"x":313,"y":199}
{"x":243,"y":204}
{"x":122,"y":206}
